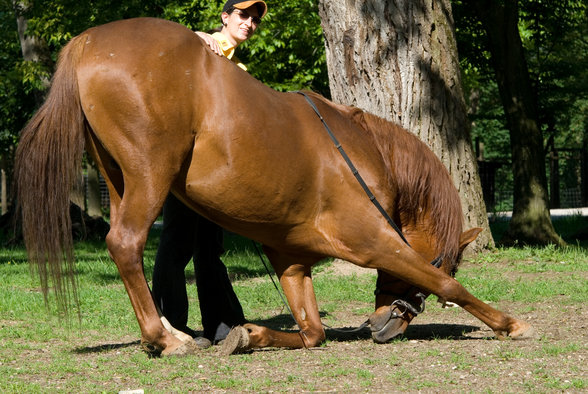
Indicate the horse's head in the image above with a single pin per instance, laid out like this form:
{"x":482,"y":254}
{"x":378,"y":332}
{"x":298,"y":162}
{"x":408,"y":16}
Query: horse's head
{"x":389,"y":321}
{"x":466,"y":238}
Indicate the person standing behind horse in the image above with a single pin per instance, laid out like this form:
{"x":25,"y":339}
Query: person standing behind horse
{"x":186,"y":234}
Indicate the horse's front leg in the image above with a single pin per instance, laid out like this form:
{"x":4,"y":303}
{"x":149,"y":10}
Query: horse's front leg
{"x":295,"y":278}
{"x":411,"y":268}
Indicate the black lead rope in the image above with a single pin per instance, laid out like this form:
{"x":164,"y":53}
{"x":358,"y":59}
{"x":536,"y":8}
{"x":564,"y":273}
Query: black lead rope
{"x":351,"y":330}
{"x":359,"y":178}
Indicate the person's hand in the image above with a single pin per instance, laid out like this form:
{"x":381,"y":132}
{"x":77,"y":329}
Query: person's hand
{"x":211,"y":42}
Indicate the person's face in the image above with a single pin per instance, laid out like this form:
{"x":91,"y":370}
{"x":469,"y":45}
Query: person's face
{"x":240,"y":25}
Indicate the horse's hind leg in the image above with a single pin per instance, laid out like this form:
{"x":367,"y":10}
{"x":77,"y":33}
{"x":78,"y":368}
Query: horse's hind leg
{"x":295,"y":277}
{"x":138,"y":209}
{"x":135,"y":204}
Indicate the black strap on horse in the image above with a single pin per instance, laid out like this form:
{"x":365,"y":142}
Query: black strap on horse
{"x":437,"y":262}
{"x":354,"y":170}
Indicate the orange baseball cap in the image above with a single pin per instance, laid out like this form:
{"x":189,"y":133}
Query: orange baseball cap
{"x":261,"y":6}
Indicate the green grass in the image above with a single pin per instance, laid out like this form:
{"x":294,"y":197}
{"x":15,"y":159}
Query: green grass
{"x":100,"y":353}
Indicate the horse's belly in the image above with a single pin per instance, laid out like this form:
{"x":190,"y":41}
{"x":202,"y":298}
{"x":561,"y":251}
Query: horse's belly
{"x":246,"y":187}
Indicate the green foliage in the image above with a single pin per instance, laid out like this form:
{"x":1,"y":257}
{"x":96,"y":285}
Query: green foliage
{"x":286,"y":53}
{"x":557,"y":55}
{"x":553,"y":35}
{"x":16,"y":99}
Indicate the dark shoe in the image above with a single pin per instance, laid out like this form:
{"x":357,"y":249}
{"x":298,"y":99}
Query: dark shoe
{"x":222,"y":330}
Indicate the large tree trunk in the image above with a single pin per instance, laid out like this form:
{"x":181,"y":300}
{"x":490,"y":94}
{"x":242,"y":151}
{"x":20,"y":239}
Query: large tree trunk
{"x":3,"y":188}
{"x":531,"y":221}
{"x":398,"y":59}
{"x":34,"y":49}
{"x":93,"y":191}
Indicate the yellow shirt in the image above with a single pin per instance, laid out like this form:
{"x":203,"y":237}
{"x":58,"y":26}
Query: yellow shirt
{"x":228,"y":49}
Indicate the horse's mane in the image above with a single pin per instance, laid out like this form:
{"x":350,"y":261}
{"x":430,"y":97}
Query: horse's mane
{"x":423,"y":183}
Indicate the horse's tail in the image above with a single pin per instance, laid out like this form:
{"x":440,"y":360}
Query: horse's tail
{"x":48,"y":159}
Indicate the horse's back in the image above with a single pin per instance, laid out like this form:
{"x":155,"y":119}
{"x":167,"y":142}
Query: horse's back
{"x":138,"y":83}
{"x":138,"y":34}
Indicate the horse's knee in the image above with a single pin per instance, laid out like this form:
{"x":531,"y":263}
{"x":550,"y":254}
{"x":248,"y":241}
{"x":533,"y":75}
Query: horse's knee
{"x":450,"y":290}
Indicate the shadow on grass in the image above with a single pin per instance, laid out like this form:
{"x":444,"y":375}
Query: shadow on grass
{"x":427,"y":332}
{"x":105,"y":348}
{"x":432,"y":331}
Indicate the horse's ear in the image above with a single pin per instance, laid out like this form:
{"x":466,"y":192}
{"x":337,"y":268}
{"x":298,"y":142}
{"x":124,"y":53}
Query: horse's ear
{"x":468,"y":236}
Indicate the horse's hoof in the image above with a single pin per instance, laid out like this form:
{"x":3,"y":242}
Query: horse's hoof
{"x":202,"y":343}
{"x":392,"y":329}
{"x":386,"y":326}
{"x":236,"y":342}
{"x":524,"y":331}
{"x":182,"y":336}
{"x":188,"y":347}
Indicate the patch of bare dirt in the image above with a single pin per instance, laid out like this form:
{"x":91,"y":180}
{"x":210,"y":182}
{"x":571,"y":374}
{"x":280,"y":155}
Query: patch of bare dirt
{"x":343,"y":268}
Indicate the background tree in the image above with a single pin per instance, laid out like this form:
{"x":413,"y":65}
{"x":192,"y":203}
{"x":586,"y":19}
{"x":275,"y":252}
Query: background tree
{"x":527,"y":52}
{"x":398,"y":59}
{"x":13,"y":98}
{"x":42,"y":28}
{"x":287,"y":52}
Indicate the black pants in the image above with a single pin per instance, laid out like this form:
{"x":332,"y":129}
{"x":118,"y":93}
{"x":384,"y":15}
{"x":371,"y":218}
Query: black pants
{"x":187,"y":235}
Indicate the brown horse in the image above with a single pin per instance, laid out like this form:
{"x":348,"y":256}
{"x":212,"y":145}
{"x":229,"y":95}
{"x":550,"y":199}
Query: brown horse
{"x":159,"y":112}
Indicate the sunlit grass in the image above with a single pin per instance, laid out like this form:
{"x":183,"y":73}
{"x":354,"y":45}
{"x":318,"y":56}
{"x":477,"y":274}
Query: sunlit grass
{"x":78,"y":358}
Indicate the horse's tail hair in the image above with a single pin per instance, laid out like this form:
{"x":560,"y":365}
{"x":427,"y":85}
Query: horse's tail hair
{"x":47,"y":163}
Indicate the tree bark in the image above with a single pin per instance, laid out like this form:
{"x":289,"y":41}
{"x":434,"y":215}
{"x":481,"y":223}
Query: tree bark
{"x":531,"y":221}
{"x":3,"y":186}
{"x":93,"y":191}
{"x":398,"y":60}
{"x":34,"y":49}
